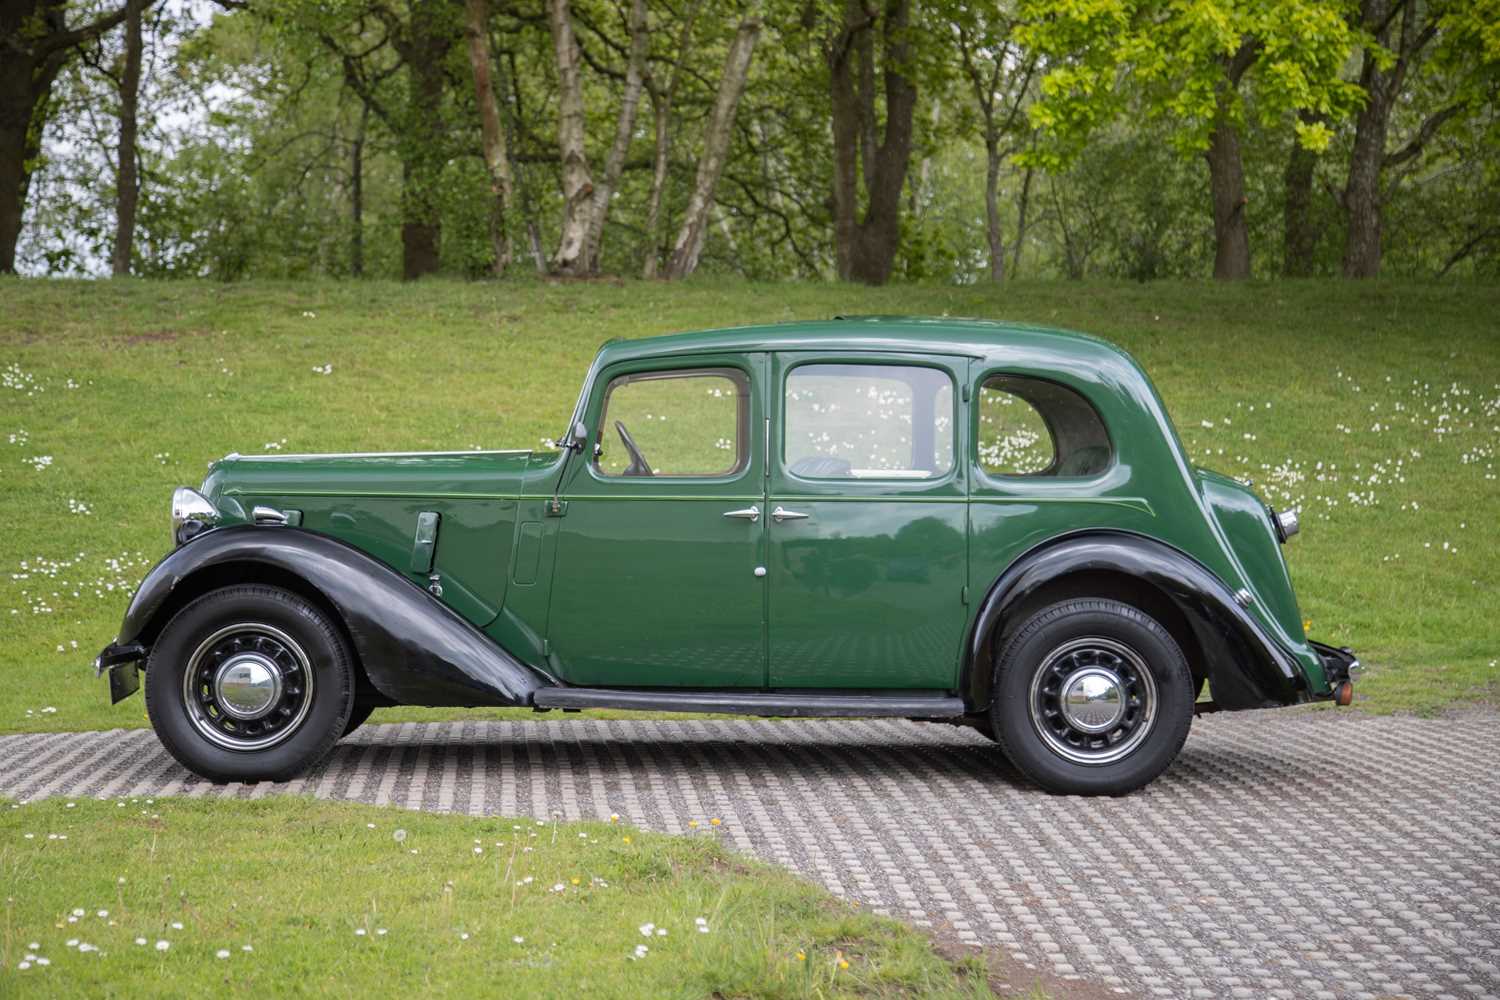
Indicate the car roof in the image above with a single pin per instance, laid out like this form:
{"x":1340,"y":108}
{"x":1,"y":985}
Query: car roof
{"x":977,"y":338}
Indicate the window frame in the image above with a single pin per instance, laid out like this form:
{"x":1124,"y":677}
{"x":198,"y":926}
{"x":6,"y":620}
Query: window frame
{"x":1045,"y":476}
{"x":656,"y":370}
{"x":955,"y":383}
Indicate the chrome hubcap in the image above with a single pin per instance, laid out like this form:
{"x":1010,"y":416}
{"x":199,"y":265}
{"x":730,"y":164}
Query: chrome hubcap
{"x":248,"y":686}
{"x":1093,"y":700}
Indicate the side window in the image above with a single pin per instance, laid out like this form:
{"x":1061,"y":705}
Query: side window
{"x":693,"y":422}
{"x":868,"y":422}
{"x":1031,"y":427}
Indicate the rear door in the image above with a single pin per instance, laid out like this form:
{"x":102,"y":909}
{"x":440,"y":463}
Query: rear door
{"x":867,"y":521}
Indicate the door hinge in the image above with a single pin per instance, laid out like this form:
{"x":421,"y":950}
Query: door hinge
{"x":424,"y":544}
{"x":963,"y":595}
{"x":556,"y":507}
{"x":966,"y":392}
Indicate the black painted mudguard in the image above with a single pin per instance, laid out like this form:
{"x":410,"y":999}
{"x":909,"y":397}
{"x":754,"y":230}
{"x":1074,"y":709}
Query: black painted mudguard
{"x":415,"y":649}
{"x":1246,"y":668}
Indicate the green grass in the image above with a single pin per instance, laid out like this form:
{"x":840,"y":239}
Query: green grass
{"x":282,"y":889}
{"x":1400,"y":382}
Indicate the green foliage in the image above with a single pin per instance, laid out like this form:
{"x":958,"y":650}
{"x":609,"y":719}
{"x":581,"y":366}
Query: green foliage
{"x":1179,"y":63}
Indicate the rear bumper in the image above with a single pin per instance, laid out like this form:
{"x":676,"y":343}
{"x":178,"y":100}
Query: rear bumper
{"x":1339,"y":664}
{"x":122,"y":663}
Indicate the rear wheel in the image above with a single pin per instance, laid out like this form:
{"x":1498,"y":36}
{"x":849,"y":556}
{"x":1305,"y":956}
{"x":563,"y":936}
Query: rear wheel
{"x":1091,"y":697}
{"x":249,"y":683}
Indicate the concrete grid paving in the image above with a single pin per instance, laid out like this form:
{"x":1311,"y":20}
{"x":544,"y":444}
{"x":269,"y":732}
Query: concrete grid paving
{"x":1285,"y":854}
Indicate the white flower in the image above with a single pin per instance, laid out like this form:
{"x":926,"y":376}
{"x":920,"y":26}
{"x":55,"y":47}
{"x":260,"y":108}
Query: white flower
{"x":380,"y":932}
{"x":399,"y":836}
{"x":359,"y":932}
{"x":163,"y":945}
{"x":646,"y":929}
{"x":140,"y":941}
{"x":518,"y":939}
{"x":222,"y":953}
{"x":177,"y":925}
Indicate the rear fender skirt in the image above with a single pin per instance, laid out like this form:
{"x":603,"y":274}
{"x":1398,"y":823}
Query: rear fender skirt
{"x":414,"y":648}
{"x":1246,"y":668}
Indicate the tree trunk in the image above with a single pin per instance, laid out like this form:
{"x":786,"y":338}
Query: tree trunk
{"x":35,"y":44}
{"x":1362,"y":186}
{"x":1226,"y":181}
{"x":1299,"y":233}
{"x":496,"y":156}
{"x":424,"y":155}
{"x":614,"y":162}
{"x":1015,"y":257}
{"x":992,"y":231}
{"x":127,"y":180}
{"x":689,"y":245}
{"x":661,"y":106}
{"x":577,"y":183}
{"x":357,"y":196}
{"x":865,"y":247}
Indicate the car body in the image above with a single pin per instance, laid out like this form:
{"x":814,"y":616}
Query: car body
{"x":868,"y":516}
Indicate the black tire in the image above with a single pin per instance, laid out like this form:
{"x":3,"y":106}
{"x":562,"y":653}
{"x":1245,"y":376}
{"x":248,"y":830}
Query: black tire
{"x":1132,"y":658}
{"x":357,"y":717}
{"x":285,"y":636}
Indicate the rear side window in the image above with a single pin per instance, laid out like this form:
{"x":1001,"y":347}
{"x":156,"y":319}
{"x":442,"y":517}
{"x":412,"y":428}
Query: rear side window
{"x":847,"y":421}
{"x":1032,"y":427}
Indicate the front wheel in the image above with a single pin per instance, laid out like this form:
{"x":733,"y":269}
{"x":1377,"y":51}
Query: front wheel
{"x":249,"y":683}
{"x":1091,"y":697}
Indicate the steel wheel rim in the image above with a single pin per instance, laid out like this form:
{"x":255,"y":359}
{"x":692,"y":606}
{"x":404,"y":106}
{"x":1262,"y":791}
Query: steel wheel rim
{"x":1058,"y":725}
{"x":231,"y":716}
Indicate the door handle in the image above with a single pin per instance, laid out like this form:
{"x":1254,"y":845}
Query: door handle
{"x":782,"y":514}
{"x":751,"y":514}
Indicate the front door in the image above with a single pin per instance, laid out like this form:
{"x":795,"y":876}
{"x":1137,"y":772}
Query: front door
{"x":660,"y":548}
{"x":867,"y":522}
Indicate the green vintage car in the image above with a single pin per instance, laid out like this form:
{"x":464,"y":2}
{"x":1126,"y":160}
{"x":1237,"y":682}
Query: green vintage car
{"x":950,"y":520}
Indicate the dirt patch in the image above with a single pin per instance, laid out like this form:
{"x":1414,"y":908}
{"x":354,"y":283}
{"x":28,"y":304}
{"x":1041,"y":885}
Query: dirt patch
{"x":1010,"y":977}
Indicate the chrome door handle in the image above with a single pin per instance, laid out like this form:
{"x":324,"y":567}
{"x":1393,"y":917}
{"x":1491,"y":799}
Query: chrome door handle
{"x":782,"y":514}
{"x":751,"y":514}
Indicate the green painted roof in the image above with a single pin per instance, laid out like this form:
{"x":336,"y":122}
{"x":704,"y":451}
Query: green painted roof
{"x":908,"y":334}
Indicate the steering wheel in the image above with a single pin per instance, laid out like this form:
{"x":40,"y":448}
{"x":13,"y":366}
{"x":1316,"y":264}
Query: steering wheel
{"x":638,"y":464}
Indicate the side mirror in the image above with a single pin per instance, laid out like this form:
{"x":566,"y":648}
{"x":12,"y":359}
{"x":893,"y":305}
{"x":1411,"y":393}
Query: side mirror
{"x":579,"y":435}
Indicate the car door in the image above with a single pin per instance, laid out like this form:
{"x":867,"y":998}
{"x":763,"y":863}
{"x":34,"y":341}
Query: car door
{"x":659,"y":578}
{"x":867,"y":521}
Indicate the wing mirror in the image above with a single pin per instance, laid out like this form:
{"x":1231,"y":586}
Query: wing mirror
{"x":578,"y":436}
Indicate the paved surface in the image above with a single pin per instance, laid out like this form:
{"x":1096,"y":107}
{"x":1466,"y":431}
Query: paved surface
{"x":1258,"y":866}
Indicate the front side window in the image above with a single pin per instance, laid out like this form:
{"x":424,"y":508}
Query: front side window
{"x":849,"y":421}
{"x":1032,"y":427}
{"x":692,"y":422}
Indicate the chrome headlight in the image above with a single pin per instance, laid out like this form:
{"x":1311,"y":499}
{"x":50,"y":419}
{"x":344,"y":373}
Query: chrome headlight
{"x":191,"y":514}
{"x":1287,"y":524}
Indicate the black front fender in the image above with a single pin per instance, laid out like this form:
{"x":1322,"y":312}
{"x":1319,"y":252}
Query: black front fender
{"x":414,"y":649}
{"x":1246,"y":668}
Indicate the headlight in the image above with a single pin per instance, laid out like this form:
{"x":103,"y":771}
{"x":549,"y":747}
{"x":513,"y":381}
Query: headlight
{"x":191,"y":514}
{"x":1286,"y":524}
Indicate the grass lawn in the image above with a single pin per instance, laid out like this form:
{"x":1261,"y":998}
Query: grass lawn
{"x":291,"y":896}
{"x":1373,"y":406}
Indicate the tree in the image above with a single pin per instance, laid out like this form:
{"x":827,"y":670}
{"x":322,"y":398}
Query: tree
{"x":127,"y":179}
{"x":868,"y":41}
{"x":577,"y":182}
{"x":1202,"y":66}
{"x":689,"y":245}
{"x":36,"y":42}
{"x":496,"y":155}
{"x":1401,"y":33}
{"x":1000,"y":77}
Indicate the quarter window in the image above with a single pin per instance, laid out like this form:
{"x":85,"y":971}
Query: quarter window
{"x":868,"y":422}
{"x":1032,"y":427}
{"x":675,"y":423}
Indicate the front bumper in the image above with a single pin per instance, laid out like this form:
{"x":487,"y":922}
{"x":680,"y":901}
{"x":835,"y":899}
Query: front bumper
{"x":1339,"y":664}
{"x":122,"y":663}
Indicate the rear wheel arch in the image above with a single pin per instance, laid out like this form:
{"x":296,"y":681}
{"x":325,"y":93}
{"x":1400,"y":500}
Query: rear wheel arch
{"x":1011,"y":600}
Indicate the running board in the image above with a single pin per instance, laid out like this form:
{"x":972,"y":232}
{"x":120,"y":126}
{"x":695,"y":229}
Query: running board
{"x":769,"y":703}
